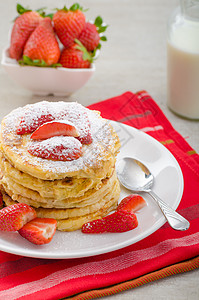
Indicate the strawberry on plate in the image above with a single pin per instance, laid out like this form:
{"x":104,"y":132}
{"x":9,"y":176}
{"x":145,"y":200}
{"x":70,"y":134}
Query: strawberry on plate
{"x":68,"y":23}
{"x":119,"y":221}
{"x":131,"y":203}
{"x":23,"y":26}
{"x":42,"y":48}
{"x":63,"y":148}
{"x":55,"y":128}
{"x":39,"y":231}
{"x":15,"y":216}
{"x":75,"y":56}
{"x":91,"y":34}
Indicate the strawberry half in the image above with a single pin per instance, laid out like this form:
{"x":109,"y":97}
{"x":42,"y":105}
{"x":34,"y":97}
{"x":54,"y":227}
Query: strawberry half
{"x":131,"y":203}
{"x":39,"y":231}
{"x":119,"y":221}
{"x":15,"y":216}
{"x":57,"y":148}
{"x":55,"y":128}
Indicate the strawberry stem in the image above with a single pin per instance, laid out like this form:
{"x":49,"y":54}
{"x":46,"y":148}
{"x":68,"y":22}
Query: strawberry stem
{"x":27,"y":61}
{"x":21,"y":10}
{"x":86,"y":54}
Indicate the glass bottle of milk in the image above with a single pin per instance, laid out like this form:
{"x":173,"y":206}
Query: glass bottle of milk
{"x":183,"y":60}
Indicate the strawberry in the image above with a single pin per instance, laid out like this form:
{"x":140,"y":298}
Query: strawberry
{"x":55,"y":128}
{"x":68,"y":23}
{"x":34,"y":116}
{"x":75,"y":57}
{"x":119,"y":221}
{"x":90,"y":35}
{"x":131,"y":203}
{"x":39,"y":231}
{"x":39,"y":113}
{"x":23,"y":26}
{"x":57,"y":148}
{"x":42,"y":46}
{"x":15,"y":216}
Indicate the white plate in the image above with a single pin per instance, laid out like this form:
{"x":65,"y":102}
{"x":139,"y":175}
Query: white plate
{"x":168,"y":185}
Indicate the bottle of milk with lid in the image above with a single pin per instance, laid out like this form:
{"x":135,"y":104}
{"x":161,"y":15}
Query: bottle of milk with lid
{"x":183,"y":60}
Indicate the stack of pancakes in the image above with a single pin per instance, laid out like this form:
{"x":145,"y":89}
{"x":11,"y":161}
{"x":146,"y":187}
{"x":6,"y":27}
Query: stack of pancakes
{"x":73,"y":192}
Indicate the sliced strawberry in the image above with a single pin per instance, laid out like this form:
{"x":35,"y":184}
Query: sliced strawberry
{"x":34,"y":116}
{"x":55,"y":128}
{"x":119,"y":221}
{"x":57,"y":148}
{"x":131,"y":203}
{"x":39,"y":231}
{"x":39,"y":113}
{"x":15,"y":216}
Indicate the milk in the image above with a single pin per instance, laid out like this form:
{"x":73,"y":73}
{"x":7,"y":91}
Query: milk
{"x":183,"y":69}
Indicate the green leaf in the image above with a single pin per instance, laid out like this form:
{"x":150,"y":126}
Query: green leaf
{"x":98,"y":21}
{"x":75,"y":7}
{"x":21,"y":10}
{"x":102,"y":29}
{"x":103,"y":38}
{"x":86,"y":54}
{"x":27,"y":61}
{"x":50,"y":16}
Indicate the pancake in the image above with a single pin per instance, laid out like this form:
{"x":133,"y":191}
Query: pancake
{"x":73,"y":190}
{"x":73,"y":219}
{"x":98,"y":157}
{"x":59,"y":189}
{"x":32,"y":198}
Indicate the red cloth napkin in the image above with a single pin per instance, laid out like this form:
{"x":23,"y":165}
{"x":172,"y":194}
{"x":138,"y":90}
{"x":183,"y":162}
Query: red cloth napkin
{"x":162,"y":254}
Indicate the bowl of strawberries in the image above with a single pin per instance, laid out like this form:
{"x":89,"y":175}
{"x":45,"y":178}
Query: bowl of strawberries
{"x":55,"y":53}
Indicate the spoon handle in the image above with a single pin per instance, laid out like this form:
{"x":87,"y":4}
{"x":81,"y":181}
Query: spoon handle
{"x":175,"y":220}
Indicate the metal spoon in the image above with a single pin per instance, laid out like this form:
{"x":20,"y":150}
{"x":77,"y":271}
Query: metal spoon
{"x":136,"y":177}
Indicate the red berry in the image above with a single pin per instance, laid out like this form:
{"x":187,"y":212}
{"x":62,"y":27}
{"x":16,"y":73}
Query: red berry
{"x":68,"y":24}
{"x":119,"y":221}
{"x":39,"y":231}
{"x":131,"y":203}
{"x":55,"y":128}
{"x":89,"y":36}
{"x":73,"y":58}
{"x":24,"y":25}
{"x":15,"y":216}
{"x":57,"y":148}
{"x":42,"y":44}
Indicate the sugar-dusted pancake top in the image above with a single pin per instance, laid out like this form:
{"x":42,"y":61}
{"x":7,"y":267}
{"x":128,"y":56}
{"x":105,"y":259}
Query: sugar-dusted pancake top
{"x":100,"y":141}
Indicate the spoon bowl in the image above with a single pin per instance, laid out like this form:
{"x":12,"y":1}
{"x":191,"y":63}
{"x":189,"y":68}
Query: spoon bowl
{"x":135,"y":176}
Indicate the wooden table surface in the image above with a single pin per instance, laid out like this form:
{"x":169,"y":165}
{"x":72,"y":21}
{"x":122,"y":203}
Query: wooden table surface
{"x":133,"y":58}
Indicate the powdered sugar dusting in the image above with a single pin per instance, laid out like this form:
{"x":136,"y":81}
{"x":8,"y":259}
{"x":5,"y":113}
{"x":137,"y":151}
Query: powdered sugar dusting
{"x":93,"y":154}
{"x":57,"y":148}
{"x":39,"y":113}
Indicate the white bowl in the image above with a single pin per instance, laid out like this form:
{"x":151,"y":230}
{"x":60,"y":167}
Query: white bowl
{"x":45,"y":81}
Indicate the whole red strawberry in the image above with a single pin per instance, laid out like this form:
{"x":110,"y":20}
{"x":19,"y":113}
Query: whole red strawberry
{"x":42,"y":44}
{"x":75,"y":57}
{"x":68,"y":24}
{"x":23,"y":26}
{"x":90,"y":35}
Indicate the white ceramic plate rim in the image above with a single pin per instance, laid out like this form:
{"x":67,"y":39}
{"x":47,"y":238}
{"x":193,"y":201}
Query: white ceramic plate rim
{"x":37,"y":251}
